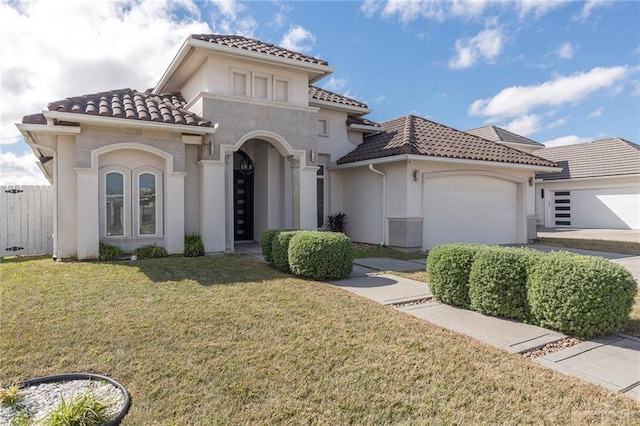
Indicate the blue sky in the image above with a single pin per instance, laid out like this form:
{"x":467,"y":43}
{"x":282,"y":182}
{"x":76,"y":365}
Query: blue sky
{"x":556,"y":71}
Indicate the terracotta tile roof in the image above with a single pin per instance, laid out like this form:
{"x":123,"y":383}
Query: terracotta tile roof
{"x":325,"y":95}
{"x":604,"y":157}
{"x":419,"y":136}
{"x":129,"y":104}
{"x":257,"y":46}
{"x":362,"y":121}
{"x":498,"y":134}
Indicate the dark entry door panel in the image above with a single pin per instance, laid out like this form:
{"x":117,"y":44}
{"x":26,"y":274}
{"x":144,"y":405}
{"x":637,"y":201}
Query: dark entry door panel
{"x":242,"y":197}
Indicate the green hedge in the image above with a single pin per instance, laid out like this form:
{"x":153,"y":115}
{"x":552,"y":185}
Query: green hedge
{"x":448,"y":268}
{"x":582,"y":295}
{"x":280,"y":249}
{"x":498,"y":282}
{"x":266,"y":242}
{"x":320,"y":255}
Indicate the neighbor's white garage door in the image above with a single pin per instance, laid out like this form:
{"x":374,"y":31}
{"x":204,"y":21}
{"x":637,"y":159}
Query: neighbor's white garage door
{"x":470,"y":208}
{"x":605,"y":208}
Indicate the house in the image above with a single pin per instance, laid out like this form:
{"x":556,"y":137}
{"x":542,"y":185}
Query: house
{"x":236,"y":138}
{"x":507,"y":138}
{"x":598,"y":187}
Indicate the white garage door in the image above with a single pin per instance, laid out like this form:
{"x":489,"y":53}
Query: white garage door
{"x":603,"y":208}
{"x":470,"y":208}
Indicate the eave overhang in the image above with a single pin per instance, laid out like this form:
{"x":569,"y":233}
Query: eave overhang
{"x":424,"y":158}
{"x":339,"y":107}
{"x":128,"y":123}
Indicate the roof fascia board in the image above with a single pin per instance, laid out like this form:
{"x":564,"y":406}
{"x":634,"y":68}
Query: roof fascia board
{"x":252,"y":101}
{"x":585,"y":178}
{"x":128,"y":123}
{"x":339,"y":107}
{"x":365,"y":128}
{"x":412,"y":157}
{"x":45,"y":128}
{"x":173,"y":66}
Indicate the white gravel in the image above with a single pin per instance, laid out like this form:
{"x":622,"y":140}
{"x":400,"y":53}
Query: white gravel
{"x":37,"y":401}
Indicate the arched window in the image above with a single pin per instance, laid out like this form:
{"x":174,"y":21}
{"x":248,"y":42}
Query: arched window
{"x":131,"y":202}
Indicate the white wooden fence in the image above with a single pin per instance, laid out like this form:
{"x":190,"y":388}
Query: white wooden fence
{"x":26,"y":220}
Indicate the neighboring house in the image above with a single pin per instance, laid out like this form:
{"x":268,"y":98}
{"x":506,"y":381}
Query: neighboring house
{"x":598,"y":187}
{"x":236,"y":139}
{"x":507,"y":138}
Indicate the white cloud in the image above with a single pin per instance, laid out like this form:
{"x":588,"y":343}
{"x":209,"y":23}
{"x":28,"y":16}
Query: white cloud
{"x":335,"y":84}
{"x":597,"y":113}
{"x":485,"y":45}
{"x":525,"y":125}
{"x":589,"y":7}
{"x":537,"y":8}
{"x":438,"y":10}
{"x":566,"y":140}
{"x":566,"y":51}
{"x":52,"y":50}
{"x":298,"y":39}
{"x":518,"y":100}
{"x":20,"y":170}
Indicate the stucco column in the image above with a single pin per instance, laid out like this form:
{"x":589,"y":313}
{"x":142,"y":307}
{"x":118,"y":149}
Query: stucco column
{"x":211,"y":213}
{"x":174,"y":213}
{"x":88,"y":211}
{"x":228,"y":197}
{"x":308,"y":197}
{"x":295,"y":192}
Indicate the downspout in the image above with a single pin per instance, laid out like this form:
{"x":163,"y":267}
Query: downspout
{"x":384,"y":202}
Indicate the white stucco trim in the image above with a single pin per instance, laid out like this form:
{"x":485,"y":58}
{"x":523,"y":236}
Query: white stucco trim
{"x":132,"y":145}
{"x":128,"y":123}
{"x":46,"y":128}
{"x":413,"y":157}
{"x":541,"y":181}
{"x":284,"y":148}
{"x":339,"y":107}
{"x":250,"y":101}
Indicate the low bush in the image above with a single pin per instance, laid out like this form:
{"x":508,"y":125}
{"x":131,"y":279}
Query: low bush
{"x":498,"y":282}
{"x":193,"y":246}
{"x":266,"y":243}
{"x":337,"y":222}
{"x":280,"y":249}
{"x":150,"y":251}
{"x":448,"y":269}
{"x":321,"y":255}
{"x":110,"y":252}
{"x":581,"y":295}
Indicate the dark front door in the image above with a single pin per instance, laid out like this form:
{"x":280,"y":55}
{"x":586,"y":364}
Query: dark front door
{"x":242,"y":196}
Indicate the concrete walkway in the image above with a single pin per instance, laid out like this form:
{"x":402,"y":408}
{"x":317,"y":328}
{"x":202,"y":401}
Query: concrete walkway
{"x":611,"y":361}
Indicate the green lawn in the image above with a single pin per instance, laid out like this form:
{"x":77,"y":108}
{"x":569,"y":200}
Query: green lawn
{"x":625,"y":247}
{"x":228,"y":340}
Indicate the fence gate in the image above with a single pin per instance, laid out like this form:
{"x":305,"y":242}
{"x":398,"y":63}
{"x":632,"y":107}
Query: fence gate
{"x":26,"y":220}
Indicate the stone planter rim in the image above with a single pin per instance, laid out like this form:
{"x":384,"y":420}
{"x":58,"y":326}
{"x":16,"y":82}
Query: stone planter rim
{"x":66,"y":377}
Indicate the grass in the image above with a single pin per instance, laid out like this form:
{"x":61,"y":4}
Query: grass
{"x":10,"y":395}
{"x":362,"y":251}
{"x":623,"y":247}
{"x":228,"y":340}
{"x":81,"y":410}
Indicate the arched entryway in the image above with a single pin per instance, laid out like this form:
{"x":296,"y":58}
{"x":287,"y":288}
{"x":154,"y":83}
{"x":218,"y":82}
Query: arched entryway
{"x":243,"y":176}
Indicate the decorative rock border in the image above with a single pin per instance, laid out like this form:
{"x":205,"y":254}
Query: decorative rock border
{"x":42,"y":394}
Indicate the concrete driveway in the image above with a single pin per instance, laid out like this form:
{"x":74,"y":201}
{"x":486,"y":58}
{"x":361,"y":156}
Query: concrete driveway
{"x":632,"y":235}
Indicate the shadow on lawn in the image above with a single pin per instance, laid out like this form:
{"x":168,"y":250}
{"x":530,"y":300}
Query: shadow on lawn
{"x":206,"y":271}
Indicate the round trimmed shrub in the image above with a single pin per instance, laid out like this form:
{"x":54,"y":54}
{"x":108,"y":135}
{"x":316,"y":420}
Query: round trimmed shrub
{"x":498,"y":282}
{"x":280,"y":249}
{"x":266,"y":239}
{"x":582,"y":295}
{"x":448,"y":268}
{"x":321,"y":255}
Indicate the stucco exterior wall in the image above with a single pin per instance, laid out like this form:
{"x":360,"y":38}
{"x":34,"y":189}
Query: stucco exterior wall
{"x":338,"y":141}
{"x":66,"y":203}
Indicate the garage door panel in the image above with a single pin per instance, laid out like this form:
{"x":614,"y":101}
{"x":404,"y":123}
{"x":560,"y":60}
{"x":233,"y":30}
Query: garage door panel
{"x":470,"y":208}
{"x":606,"y":208}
